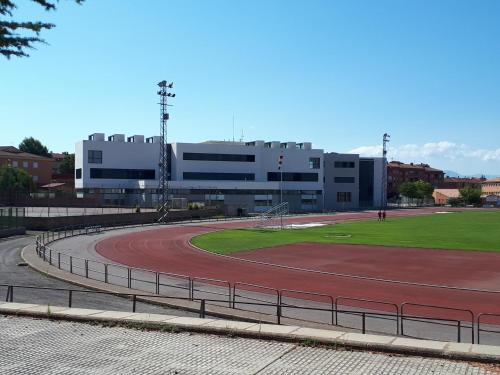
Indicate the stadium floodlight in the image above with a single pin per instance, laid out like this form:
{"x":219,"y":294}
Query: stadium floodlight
{"x":162,"y":83}
{"x":383,"y":198}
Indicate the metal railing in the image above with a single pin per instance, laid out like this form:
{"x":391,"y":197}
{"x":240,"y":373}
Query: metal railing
{"x":202,"y":310}
{"x":247,"y":296}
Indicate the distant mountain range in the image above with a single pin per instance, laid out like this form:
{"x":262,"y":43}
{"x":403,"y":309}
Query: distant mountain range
{"x":477,"y":175}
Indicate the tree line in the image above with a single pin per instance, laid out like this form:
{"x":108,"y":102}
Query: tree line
{"x":421,"y":190}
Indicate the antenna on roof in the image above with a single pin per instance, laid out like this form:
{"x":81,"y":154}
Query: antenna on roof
{"x":241,"y":139}
{"x":233,"y":127}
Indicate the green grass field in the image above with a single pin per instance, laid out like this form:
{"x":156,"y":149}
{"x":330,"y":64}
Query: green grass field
{"x":473,"y":230}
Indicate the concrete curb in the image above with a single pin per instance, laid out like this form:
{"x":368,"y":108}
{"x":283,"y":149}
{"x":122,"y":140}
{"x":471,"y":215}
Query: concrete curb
{"x":389,"y":344}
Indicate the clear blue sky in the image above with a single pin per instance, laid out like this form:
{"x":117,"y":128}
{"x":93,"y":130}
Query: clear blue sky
{"x":337,"y":73}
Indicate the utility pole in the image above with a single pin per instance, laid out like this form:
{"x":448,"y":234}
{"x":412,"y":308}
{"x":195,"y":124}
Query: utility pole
{"x":383,"y":201}
{"x":163,"y":163}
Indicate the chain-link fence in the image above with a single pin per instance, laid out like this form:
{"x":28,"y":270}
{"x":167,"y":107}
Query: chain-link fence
{"x":11,"y":217}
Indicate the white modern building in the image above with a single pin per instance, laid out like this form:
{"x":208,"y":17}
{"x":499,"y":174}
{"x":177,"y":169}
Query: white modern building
{"x":240,"y":176}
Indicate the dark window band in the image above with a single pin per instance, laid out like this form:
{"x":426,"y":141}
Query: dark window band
{"x":344,"y":164}
{"x":122,"y":174}
{"x":290,"y":176}
{"x":344,"y":180}
{"x":217,"y":157}
{"x":218,"y":176}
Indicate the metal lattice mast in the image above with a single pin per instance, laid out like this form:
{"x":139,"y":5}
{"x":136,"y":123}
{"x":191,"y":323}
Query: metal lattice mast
{"x":163,"y":163}
{"x":383,"y":200}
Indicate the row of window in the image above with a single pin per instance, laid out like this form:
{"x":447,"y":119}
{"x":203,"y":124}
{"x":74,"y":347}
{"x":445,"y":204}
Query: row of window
{"x":344,"y":180}
{"x":214,"y":176}
{"x":122,"y":174}
{"x":24,"y":164}
{"x":344,"y":164}
{"x":291,"y":176}
{"x":218,"y":157}
{"x":344,"y":196}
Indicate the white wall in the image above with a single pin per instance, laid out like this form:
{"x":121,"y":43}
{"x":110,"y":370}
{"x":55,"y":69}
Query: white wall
{"x":119,"y":155}
{"x":266,"y":160}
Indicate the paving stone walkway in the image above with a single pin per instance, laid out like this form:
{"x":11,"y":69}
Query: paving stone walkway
{"x":32,"y":346}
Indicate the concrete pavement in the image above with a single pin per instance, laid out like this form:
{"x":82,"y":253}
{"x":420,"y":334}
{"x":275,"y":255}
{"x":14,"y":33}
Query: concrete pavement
{"x":182,"y":345}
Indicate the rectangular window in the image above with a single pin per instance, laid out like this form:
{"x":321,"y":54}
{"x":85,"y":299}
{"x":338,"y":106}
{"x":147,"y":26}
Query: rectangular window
{"x":217,"y":176}
{"x":291,"y":176}
{"x":122,"y":174}
{"x":35,"y":164}
{"x":78,"y":173}
{"x":314,"y":163}
{"x":35,"y":178}
{"x":344,"y":180}
{"x":25,"y":164}
{"x":344,"y":164}
{"x":343,"y":196}
{"x":14,"y":163}
{"x":95,"y":157}
{"x":218,"y":157}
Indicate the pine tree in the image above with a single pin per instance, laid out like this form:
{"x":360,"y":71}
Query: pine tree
{"x":13,"y":42}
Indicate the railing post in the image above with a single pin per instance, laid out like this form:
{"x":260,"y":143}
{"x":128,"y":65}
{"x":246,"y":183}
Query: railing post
{"x":333,"y":315}
{"x":105,"y":273}
{"x":11,"y":296}
{"x":459,"y":333}
{"x":70,"y":298}
{"x":336,"y":313}
{"x":134,"y":303}
{"x":59,"y":260}
{"x":278,"y":312}
{"x":202,"y":308}
{"x":86,"y":268}
{"x":157,"y":283}
{"x":478,"y":330}
{"x":70,"y":264}
{"x":44,"y":257}
{"x":191,"y":289}
{"x":234,"y":295}
{"x":363,"y":323}
{"x":129,"y":278}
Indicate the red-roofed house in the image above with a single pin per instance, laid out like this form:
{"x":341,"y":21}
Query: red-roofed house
{"x":38,"y":167}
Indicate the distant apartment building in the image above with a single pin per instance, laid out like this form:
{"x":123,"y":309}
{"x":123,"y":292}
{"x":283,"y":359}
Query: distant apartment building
{"x":490,"y":191}
{"x":398,"y":173}
{"x":460,"y":183}
{"x":236,"y":175}
{"x":38,"y":167}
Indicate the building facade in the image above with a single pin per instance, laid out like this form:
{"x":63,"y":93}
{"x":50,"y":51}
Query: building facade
{"x":490,"y":191}
{"x":398,"y":173}
{"x":352,"y":182}
{"x":38,"y":167}
{"x":460,"y":183}
{"x":240,"y":176}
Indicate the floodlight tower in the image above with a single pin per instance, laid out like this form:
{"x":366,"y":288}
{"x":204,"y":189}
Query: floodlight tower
{"x":163,"y":163}
{"x":383,"y":200}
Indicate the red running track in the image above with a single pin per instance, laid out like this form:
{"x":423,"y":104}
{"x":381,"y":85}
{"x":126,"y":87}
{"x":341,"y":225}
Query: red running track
{"x":169,"y":250}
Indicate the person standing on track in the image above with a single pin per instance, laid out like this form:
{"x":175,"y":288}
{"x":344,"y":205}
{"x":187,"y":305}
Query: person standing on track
{"x":379,"y":215}
{"x":383,"y":215}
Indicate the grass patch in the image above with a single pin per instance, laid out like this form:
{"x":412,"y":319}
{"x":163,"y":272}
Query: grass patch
{"x":468,"y":230}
